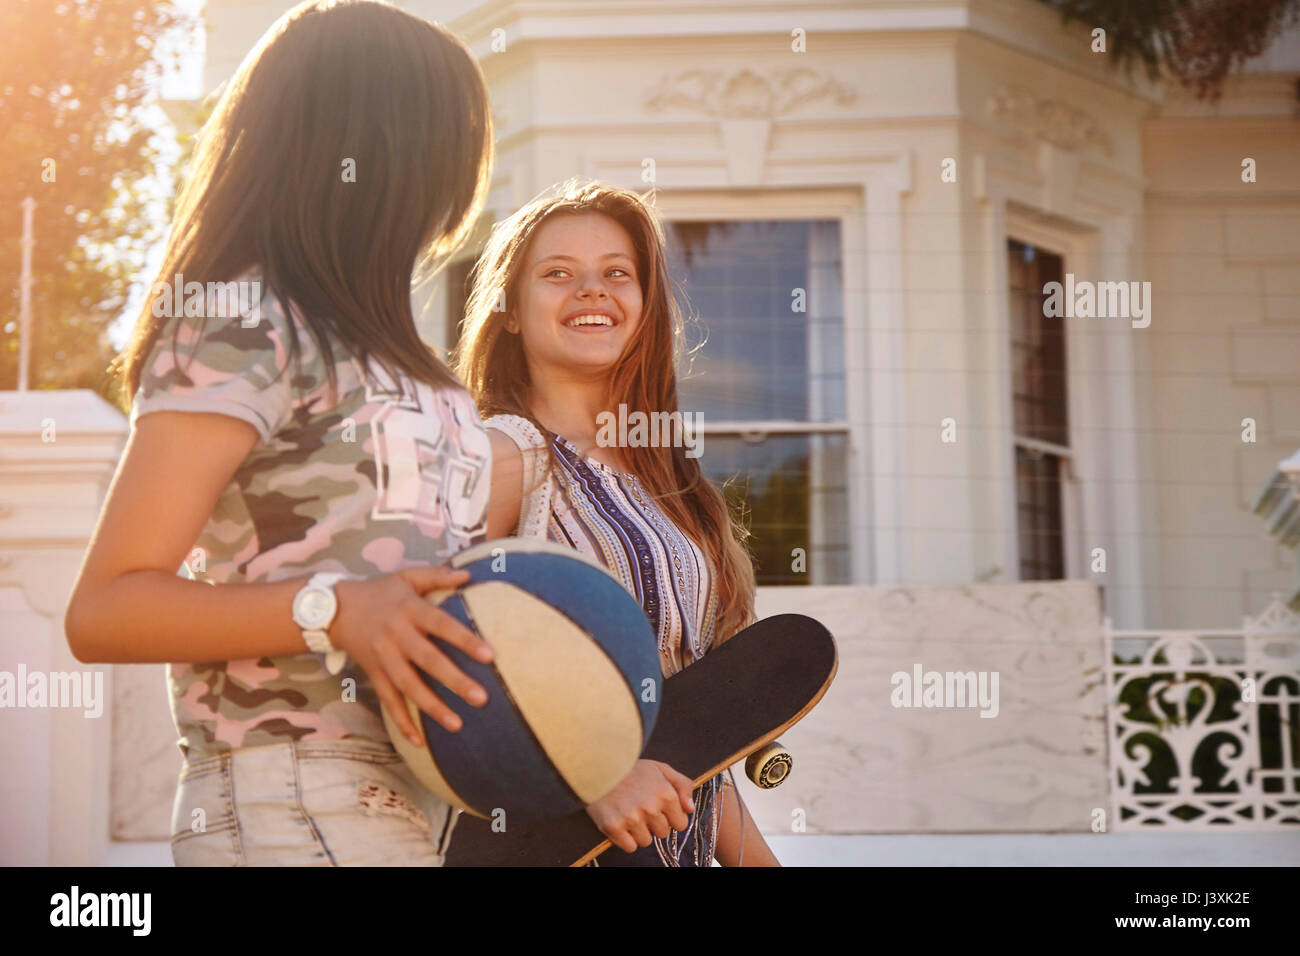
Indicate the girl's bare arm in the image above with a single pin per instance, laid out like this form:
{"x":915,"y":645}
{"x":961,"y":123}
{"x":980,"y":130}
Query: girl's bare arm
{"x":507,"y":485}
{"x":128,"y":604}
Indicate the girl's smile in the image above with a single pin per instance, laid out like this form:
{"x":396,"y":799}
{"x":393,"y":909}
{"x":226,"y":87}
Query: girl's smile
{"x":586,"y":321}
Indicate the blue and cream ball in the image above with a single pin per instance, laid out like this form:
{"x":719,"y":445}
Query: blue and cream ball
{"x":573,"y":689}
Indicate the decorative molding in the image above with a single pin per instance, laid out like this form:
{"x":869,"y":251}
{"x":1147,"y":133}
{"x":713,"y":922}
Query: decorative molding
{"x":745,"y":94}
{"x":1048,"y":120}
{"x":1277,"y":618}
{"x":745,"y":141}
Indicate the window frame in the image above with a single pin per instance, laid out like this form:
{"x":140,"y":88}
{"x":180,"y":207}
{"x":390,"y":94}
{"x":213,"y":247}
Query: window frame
{"x":799,"y":205}
{"x":847,"y":206}
{"x":1074,"y":249}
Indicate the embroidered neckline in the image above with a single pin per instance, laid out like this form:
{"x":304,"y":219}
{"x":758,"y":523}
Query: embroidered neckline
{"x":599,"y":465}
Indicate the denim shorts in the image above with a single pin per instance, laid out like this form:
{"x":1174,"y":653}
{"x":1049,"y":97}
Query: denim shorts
{"x":307,"y":803}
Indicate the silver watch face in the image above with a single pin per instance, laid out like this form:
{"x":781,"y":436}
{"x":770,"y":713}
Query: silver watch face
{"x":315,"y":607}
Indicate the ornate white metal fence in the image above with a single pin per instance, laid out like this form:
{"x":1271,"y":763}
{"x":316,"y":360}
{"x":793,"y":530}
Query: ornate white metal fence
{"x":1203,"y":727}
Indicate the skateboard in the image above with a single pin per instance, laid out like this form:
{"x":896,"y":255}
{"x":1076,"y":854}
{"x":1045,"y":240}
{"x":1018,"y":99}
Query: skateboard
{"x":730,"y":705}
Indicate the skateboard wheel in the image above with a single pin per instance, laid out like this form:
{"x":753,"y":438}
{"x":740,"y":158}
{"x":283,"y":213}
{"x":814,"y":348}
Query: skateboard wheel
{"x":770,"y":766}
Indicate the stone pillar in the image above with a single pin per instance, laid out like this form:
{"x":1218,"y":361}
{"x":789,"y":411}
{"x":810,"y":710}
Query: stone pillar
{"x":58,"y":452}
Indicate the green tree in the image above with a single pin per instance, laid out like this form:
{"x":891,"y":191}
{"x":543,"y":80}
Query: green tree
{"x":76,"y":80}
{"x":1197,"y":41}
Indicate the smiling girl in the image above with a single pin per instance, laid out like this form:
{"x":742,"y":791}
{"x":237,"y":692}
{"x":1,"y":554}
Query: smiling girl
{"x":591,"y":324}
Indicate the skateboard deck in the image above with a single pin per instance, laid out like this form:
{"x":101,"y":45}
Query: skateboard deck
{"x":719,"y":710}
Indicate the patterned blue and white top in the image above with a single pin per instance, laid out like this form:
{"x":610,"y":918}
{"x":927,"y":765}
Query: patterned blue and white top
{"x":609,"y":516}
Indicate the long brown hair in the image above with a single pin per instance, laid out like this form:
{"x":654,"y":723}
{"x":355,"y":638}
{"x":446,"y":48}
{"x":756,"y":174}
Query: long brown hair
{"x":492,"y":365}
{"x":335,"y":86}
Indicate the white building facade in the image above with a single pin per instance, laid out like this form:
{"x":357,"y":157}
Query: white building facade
{"x":911,"y":150}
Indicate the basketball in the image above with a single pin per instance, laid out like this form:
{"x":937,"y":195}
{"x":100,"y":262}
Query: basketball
{"x":569,"y":708}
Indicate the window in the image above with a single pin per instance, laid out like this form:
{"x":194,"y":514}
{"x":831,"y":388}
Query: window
{"x":769,"y":381}
{"x":1042,"y":440}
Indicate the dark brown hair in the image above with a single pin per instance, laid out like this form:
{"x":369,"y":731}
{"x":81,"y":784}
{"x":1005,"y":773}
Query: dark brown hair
{"x":492,"y":365}
{"x":335,"y":84}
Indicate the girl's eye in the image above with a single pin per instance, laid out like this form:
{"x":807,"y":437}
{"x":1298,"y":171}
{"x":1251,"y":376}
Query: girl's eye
{"x":552,"y":272}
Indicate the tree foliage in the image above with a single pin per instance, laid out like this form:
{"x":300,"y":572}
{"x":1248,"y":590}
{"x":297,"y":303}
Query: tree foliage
{"x":1197,"y":41}
{"x":76,"y":77}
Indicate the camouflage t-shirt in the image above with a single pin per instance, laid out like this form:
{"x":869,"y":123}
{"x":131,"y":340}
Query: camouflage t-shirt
{"x":377,"y":477}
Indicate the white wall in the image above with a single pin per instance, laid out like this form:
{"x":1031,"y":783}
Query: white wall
{"x":864,"y":765}
{"x":1223,"y":257}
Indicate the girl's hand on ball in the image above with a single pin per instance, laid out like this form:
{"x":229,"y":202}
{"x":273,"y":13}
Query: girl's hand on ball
{"x":652,"y":799}
{"x":382,"y":624}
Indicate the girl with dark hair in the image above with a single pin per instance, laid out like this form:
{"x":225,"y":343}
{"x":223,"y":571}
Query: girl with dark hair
{"x":302,"y":451}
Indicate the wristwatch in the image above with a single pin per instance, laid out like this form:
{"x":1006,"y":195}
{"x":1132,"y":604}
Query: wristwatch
{"x":314,"y":608}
